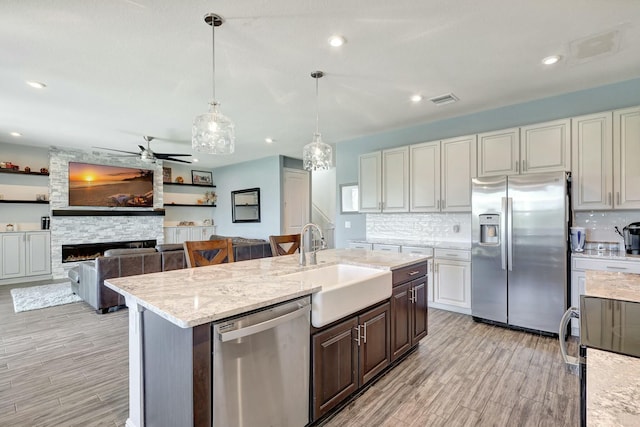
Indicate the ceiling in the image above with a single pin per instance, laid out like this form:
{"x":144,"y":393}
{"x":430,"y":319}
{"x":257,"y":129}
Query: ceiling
{"x":117,"y":70}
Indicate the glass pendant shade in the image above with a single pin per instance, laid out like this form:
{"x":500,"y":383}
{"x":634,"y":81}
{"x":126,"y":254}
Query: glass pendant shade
{"x":213,"y":133}
{"x":317,"y":155}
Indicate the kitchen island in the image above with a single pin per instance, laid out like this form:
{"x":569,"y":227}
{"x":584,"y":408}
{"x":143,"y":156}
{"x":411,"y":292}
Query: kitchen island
{"x":613,"y":379}
{"x":191,"y":299}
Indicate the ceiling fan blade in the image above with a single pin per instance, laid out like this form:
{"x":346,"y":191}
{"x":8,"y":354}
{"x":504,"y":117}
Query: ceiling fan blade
{"x":163,"y":155}
{"x":169,"y":159}
{"x":141,"y":148}
{"x":119,"y":151}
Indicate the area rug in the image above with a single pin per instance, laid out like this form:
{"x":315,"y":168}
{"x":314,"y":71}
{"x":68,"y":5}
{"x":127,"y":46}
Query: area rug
{"x":35,"y":297}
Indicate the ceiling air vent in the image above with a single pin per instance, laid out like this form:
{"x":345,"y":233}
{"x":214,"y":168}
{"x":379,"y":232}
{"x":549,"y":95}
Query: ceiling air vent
{"x":447,"y":98}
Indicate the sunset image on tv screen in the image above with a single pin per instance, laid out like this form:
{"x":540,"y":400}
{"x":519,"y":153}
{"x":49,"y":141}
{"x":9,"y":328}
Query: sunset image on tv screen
{"x":109,"y":186}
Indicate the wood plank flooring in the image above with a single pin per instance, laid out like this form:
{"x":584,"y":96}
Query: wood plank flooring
{"x":68,"y":366}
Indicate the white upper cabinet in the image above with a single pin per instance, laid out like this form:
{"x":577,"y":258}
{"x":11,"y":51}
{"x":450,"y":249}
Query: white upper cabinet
{"x":626,"y":158}
{"x":425,"y":177}
{"x":499,"y":152}
{"x":545,"y":147}
{"x":370,"y":182}
{"x":441,"y":173}
{"x":395,"y":180}
{"x":592,"y":150}
{"x":383,"y":178}
{"x":457,"y":168}
{"x":542,"y":147}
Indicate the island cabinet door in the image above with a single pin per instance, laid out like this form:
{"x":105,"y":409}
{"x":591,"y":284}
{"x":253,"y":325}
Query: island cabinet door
{"x":401,"y":316}
{"x":419,"y":310}
{"x":375,"y":336}
{"x":335,"y":365}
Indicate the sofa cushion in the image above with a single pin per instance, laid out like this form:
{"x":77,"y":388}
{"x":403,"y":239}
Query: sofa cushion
{"x":169,"y":247}
{"x":128,"y":251}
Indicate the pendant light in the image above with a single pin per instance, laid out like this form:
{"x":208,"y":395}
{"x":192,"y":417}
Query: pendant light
{"x":212,"y":132}
{"x":317,"y":155}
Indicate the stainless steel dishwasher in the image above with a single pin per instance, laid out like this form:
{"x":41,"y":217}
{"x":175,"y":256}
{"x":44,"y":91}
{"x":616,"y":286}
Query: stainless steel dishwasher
{"x":261,"y":368}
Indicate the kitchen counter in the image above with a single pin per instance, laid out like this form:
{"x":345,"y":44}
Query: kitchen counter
{"x":613,"y":388}
{"x":424,"y":244}
{"x":595,"y":254}
{"x":194,"y":296}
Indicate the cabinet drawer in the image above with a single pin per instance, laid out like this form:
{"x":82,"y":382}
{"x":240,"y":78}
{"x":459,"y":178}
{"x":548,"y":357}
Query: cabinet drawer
{"x":416,"y":250}
{"x":386,"y":248}
{"x":410,"y":272}
{"x":359,"y":245}
{"x":457,"y":254}
{"x":606,"y":265}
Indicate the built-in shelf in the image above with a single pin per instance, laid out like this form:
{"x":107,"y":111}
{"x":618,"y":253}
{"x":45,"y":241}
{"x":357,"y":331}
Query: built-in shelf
{"x":5,"y":170}
{"x":247,"y":205}
{"x":190,"y":205}
{"x":102,"y":212}
{"x":33,"y":202}
{"x":188,"y":185}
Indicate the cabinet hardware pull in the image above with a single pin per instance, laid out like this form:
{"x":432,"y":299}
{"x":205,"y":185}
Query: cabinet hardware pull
{"x":364,"y":335}
{"x":524,"y":166}
{"x":618,"y":197}
{"x":357,"y":339}
{"x":609,"y":267}
{"x":609,"y":198}
{"x":413,"y":273}
{"x":413,"y":295}
{"x":438,"y":204}
{"x":453,"y":255}
{"x":444,"y":203}
{"x":517,"y":166}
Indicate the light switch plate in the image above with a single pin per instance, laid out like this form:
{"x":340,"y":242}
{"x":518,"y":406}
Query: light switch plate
{"x":347,"y":224}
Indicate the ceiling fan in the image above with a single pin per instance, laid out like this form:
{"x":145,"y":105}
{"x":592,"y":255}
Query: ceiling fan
{"x":148,"y":156}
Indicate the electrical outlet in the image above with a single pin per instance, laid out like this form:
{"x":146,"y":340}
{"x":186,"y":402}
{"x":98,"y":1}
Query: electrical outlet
{"x":347,"y":224}
{"x":456,"y":228}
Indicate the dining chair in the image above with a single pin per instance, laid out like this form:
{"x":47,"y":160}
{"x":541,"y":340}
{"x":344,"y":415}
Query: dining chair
{"x":286,"y":244}
{"x":208,"y":252}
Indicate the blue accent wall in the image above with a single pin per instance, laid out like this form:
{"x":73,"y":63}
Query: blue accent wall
{"x":262,"y":173}
{"x":602,"y":98}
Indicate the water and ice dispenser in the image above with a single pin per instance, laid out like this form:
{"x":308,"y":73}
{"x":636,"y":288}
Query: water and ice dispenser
{"x":489,"y":229}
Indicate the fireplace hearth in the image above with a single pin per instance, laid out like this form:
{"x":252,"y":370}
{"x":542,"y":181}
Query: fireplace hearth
{"x":89,"y":251}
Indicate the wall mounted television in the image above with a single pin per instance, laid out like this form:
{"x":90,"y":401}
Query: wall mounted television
{"x":110,"y":186}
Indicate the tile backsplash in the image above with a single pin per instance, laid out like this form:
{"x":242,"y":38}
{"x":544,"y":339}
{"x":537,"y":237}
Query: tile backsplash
{"x":599,"y":224}
{"x":420,"y":227}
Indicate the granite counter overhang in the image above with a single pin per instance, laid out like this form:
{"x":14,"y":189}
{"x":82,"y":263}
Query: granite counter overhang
{"x":194,"y":296}
{"x":613,"y":285}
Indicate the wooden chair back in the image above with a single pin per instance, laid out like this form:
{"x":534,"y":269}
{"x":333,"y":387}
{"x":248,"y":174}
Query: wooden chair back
{"x":208,"y":252}
{"x":277,"y":242}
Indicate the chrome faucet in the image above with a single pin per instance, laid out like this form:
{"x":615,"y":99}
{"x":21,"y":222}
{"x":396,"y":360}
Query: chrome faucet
{"x":312,"y":255}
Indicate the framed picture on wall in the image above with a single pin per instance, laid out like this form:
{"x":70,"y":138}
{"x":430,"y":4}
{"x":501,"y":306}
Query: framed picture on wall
{"x":166,"y":174}
{"x":202,"y":178}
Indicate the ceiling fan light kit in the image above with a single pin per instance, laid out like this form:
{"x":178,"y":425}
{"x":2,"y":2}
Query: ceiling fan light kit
{"x":317,"y":155}
{"x":212,"y":132}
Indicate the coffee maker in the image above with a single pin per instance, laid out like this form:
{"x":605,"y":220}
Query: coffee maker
{"x":631,"y":236}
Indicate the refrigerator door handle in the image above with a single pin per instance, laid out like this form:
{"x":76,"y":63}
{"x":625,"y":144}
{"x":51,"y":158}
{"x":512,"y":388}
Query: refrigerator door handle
{"x":503,"y":238}
{"x":510,"y":233}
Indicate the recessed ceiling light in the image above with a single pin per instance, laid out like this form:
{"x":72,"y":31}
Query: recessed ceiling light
{"x":337,"y":41}
{"x":16,"y":134}
{"x":416,"y":98}
{"x":36,"y":85}
{"x":268,"y":140}
{"x":550,"y":60}
{"x":195,"y":160}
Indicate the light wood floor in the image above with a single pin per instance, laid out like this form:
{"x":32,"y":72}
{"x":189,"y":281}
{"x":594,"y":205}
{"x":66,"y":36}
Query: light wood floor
{"x":67,"y":366}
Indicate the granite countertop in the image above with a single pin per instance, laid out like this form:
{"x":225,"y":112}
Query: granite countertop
{"x":596,"y":254}
{"x":613,"y":389}
{"x":194,"y":296}
{"x":421,"y":243}
{"x":613,"y":285}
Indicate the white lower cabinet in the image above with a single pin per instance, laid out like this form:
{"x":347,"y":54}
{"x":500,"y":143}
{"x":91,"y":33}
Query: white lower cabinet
{"x":452,"y":285}
{"x":25,"y":254}
{"x":360,"y":245}
{"x":182,"y":234}
{"x":386,"y":248}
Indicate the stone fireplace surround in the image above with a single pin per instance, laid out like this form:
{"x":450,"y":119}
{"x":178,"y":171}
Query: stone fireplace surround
{"x":80,"y":229}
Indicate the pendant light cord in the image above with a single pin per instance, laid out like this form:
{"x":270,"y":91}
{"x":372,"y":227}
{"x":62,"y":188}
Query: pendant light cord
{"x":317,"y":108}
{"x":213,"y":56}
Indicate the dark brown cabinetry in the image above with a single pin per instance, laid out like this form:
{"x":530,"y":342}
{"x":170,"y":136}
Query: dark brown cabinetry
{"x":347,"y":355}
{"x":408,"y":309}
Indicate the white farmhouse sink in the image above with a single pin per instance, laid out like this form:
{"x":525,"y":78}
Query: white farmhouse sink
{"x":345,"y":290}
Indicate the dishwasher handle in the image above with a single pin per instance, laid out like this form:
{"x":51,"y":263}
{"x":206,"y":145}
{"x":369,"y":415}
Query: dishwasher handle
{"x":263,"y":326}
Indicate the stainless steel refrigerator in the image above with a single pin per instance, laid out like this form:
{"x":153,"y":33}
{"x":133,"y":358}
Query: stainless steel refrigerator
{"x":519,"y":250}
